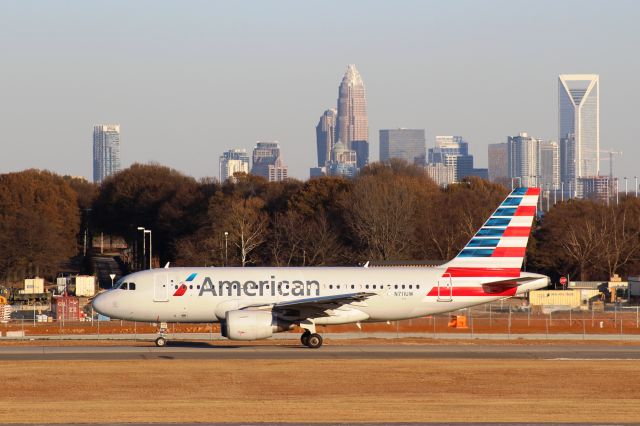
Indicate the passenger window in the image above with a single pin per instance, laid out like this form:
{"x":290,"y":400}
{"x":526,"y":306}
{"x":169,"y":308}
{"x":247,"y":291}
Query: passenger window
{"x":176,"y":287}
{"x":418,"y":286}
{"x":410,"y":286}
{"x":403,"y":286}
{"x":352,"y":286}
{"x":331,"y":286}
{"x":198,"y":287}
{"x":132,"y":286}
{"x":191,"y":287}
{"x":396,"y":286}
{"x":367,"y":286}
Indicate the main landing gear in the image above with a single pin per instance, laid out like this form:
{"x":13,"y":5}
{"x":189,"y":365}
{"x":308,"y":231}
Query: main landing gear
{"x":161,"y":341}
{"x":311,"y":340}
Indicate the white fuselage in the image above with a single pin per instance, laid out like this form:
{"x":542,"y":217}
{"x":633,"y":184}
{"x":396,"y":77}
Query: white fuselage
{"x":206,"y":294}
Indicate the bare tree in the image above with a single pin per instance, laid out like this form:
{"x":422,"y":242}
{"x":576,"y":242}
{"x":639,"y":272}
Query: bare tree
{"x":380,"y":214}
{"x":247,"y":224}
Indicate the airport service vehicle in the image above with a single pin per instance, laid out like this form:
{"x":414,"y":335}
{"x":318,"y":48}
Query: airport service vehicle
{"x":254,"y":303}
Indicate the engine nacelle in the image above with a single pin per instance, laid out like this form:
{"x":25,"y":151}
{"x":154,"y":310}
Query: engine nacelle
{"x":252,"y":325}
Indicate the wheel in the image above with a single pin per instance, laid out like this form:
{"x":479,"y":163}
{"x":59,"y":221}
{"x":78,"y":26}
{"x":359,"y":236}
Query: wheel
{"x":304,"y":339}
{"x":161,"y":342}
{"x":314,"y":341}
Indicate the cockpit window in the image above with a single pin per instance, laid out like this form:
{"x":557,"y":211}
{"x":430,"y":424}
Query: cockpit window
{"x":132,"y":286}
{"x":118,"y":283}
{"x":124,"y":286}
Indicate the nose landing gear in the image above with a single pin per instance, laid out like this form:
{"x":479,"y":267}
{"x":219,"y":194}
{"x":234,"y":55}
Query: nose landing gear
{"x":161,"y":341}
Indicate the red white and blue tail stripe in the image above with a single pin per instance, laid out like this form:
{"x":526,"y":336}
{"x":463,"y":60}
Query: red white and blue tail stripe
{"x":497,"y":249}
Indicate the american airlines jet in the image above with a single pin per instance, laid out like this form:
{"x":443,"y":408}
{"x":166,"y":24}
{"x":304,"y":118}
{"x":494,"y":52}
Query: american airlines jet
{"x":255,"y":303}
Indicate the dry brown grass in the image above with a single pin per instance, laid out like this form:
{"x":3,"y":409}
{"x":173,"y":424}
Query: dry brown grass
{"x":319,"y":390}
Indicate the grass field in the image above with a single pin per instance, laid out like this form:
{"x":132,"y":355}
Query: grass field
{"x":320,"y":390}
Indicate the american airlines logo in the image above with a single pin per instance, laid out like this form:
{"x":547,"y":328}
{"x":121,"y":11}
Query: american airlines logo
{"x":271,"y":287}
{"x":182,"y":288}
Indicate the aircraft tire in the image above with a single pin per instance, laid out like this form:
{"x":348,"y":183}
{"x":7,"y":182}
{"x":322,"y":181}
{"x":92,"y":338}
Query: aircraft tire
{"x":315,"y":341}
{"x":161,"y":342}
{"x":304,"y":339}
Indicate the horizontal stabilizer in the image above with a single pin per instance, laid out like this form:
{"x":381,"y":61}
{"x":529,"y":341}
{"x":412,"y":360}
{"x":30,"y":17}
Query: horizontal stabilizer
{"x":502,"y":285}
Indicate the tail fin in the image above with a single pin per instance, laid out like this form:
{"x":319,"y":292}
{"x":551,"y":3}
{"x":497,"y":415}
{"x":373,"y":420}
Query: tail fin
{"x":498,"y":248}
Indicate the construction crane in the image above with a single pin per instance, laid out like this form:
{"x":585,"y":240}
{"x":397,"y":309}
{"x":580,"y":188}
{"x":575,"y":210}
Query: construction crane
{"x":611,"y":154}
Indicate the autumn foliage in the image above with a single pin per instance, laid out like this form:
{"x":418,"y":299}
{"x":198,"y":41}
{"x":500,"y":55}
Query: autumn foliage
{"x":39,"y":223}
{"x":390,"y":212}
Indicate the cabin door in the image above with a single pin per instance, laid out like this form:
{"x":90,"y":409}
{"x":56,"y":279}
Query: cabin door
{"x":161,"y":288}
{"x":445,"y":288}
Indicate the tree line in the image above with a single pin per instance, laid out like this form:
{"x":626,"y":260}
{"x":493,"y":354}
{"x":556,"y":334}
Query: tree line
{"x":390,"y":212}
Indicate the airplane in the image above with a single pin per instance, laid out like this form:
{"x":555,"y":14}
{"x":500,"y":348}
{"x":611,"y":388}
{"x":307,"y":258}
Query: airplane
{"x":256,"y":302}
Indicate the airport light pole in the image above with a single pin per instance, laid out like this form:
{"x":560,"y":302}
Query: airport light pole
{"x":144,"y":247}
{"x":148,"y":231}
{"x":226,"y":247}
{"x":636,"y":179}
{"x":625,"y":187}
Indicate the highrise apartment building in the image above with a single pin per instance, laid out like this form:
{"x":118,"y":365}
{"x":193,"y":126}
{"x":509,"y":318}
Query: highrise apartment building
{"x":352,"y":122}
{"x":523,"y":161}
{"x":549,"y":158}
{"x":498,"y":163}
{"x":441,"y":174}
{"x":579,"y":126}
{"x":325,"y":136}
{"x":232,"y":162}
{"x":406,"y":144}
{"x":267,"y":162}
{"x":106,"y":151}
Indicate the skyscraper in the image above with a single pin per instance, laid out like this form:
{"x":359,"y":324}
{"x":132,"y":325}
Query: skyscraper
{"x":233,"y":161}
{"x":405,"y":144}
{"x":361,"y":149}
{"x":325,"y":136}
{"x":268,"y":163}
{"x":106,"y":151}
{"x":498,"y":163}
{"x":352,"y":122}
{"x":579,"y":126}
{"x":549,"y":165}
{"x":453,"y":151}
{"x":523,"y":162}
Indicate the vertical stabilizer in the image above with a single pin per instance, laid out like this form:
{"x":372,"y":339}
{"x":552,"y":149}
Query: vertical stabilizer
{"x":498,"y":248}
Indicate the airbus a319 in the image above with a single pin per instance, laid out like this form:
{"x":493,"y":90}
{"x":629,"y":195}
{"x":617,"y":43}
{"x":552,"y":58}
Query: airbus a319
{"x":255,"y":303}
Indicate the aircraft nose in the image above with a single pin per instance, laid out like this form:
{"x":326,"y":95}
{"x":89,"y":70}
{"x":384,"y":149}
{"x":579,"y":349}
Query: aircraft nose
{"x":100,"y":303}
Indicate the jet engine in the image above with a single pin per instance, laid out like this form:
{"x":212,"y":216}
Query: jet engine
{"x":252,"y":325}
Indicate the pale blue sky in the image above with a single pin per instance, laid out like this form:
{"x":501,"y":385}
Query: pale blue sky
{"x":187,"y":80}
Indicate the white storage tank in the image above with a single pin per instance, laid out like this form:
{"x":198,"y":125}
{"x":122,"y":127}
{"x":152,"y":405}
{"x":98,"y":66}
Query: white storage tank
{"x":85,"y":286}
{"x":34,"y":286}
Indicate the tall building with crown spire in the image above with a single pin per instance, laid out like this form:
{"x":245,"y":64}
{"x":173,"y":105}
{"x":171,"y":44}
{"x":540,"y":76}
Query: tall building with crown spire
{"x":352,"y":122}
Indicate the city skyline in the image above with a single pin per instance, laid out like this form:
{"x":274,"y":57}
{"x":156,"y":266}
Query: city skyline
{"x":218,"y":89}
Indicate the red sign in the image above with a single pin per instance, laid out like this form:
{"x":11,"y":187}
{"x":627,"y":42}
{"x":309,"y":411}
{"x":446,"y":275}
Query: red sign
{"x":563,"y":280}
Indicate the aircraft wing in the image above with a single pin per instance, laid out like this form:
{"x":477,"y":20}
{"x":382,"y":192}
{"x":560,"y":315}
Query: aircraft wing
{"x":317,"y":305}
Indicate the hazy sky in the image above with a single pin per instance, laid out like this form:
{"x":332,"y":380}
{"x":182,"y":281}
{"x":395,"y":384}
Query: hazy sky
{"x":187,"y":80}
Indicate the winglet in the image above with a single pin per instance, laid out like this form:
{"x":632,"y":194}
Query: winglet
{"x":167,"y":265}
{"x":366,"y":265}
